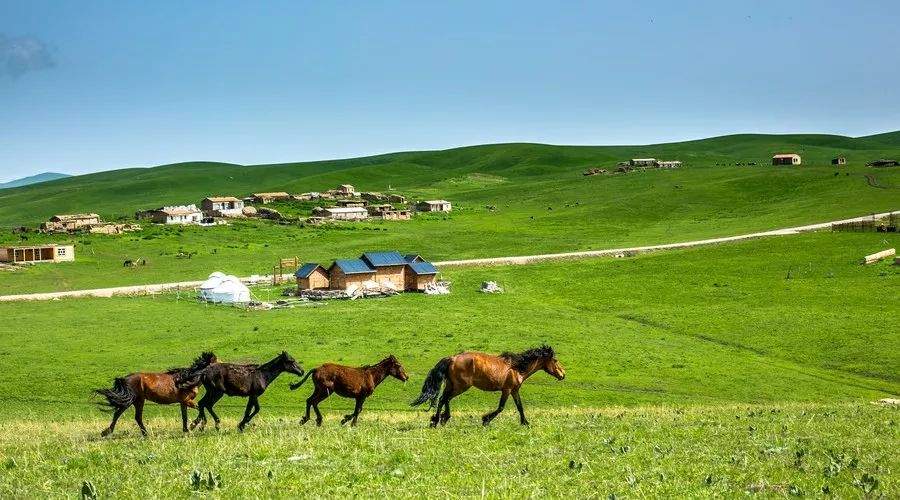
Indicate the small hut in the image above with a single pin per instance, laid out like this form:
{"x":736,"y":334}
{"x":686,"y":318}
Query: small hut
{"x":312,"y":276}
{"x":786,"y":159}
{"x":418,"y":273}
{"x":434,"y":206}
{"x":37,"y":253}
{"x":389,"y":267}
{"x":839,"y":160}
{"x":346,"y":272}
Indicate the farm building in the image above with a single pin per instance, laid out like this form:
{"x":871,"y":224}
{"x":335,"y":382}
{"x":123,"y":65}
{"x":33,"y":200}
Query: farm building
{"x":642,"y":162}
{"x":70,"y":222}
{"x":350,"y":203}
{"x":389,"y":267}
{"x":270,"y":197}
{"x":342,"y":213}
{"x":669,"y":164}
{"x":37,"y":253}
{"x":388,"y":212}
{"x":418,"y":273}
{"x":312,"y":276}
{"x":786,"y":159}
{"x":839,"y":160}
{"x":180,"y":214}
{"x":222,"y":206}
{"x":434,"y":206}
{"x":346,"y":272}
{"x":346,"y":190}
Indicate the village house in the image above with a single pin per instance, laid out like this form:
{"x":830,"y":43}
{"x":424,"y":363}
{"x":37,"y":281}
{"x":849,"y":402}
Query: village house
{"x":839,"y":160}
{"x":643,"y":162}
{"x":341,"y":213}
{"x":37,"y":253}
{"x":270,"y":197}
{"x":388,"y":212}
{"x":418,"y":273}
{"x":434,"y":206}
{"x":669,"y":164}
{"x":222,"y":206}
{"x":180,"y":214}
{"x":312,"y":277}
{"x":346,"y":272}
{"x":388,"y":269}
{"x":786,"y":159}
{"x":70,"y":222}
{"x":351,"y":203}
{"x":345,"y":190}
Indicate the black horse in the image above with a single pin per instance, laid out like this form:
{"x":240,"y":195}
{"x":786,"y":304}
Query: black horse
{"x":248,"y":381}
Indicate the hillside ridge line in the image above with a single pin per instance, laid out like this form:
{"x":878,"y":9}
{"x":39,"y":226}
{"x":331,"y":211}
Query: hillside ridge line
{"x":488,"y":261}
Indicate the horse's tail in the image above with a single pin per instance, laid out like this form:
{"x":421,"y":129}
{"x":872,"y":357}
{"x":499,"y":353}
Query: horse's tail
{"x":296,"y":385}
{"x":120,"y":396}
{"x":433,"y":381}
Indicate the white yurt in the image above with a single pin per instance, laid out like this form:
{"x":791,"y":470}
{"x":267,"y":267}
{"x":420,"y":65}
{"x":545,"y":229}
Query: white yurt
{"x":224,"y":289}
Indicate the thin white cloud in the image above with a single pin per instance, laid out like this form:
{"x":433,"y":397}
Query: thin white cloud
{"x":19,"y":55}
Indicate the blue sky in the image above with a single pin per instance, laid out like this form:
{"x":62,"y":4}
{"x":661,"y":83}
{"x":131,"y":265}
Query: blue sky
{"x":87,"y":86}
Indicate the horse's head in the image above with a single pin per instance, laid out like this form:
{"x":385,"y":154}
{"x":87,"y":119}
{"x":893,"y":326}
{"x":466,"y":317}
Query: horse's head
{"x":289,"y":364}
{"x":395,"y":369}
{"x":552,"y":366}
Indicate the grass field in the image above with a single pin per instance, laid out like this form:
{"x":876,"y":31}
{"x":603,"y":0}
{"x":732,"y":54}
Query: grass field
{"x":739,"y":368}
{"x":543,"y":203}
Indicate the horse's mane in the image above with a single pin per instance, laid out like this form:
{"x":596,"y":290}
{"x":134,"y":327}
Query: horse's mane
{"x":522,"y":361}
{"x":202,"y":361}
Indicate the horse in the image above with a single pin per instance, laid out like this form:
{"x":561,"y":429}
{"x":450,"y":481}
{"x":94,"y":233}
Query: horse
{"x":240,"y":380}
{"x":349,"y":382}
{"x":506,"y":373}
{"x":177,"y":385}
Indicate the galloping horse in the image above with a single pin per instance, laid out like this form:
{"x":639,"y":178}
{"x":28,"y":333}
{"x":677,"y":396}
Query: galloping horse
{"x":506,"y":373}
{"x":240,"y":380}
{"x":178,"y":385}
{"x":349,"y":382}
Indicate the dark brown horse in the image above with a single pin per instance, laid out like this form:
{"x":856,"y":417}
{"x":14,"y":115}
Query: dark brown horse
{"x":248,"y":381}
{"x":357,"y":383}
{"x":506,"y":373}
{"x":178,"y":385}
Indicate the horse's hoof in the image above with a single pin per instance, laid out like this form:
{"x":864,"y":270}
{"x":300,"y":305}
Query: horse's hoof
{"x":318,"y":423}
{"x":525,"y":423}
{"x":303,"y":421}
{"x":106,"y":432}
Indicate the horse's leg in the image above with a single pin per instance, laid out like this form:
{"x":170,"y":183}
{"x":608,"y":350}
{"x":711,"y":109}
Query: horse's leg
{"x":112,"y":425}
{"x":444,"y":400}
{"x":320,"y":396}
{"x":518,"y":401}
{"x":248,"y":413}
{"x":355,"y":414}
{"x":139,"y":414}
{"x":446,"y":415}
{"x":213,"y":399}
{"x":485,"y":420}
{"x":201,"y":417}
{"x":184,"y":419}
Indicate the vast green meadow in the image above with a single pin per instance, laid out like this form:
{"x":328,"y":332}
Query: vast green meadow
{"x":741,"y":368}
{"x":542,"y":204}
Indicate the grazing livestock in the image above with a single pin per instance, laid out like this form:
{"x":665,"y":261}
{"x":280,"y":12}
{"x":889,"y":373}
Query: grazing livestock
{"x":356,"y":383}
{"x":506,"y":373}
{"x":177,"y":385}
{"x":248,"y":381}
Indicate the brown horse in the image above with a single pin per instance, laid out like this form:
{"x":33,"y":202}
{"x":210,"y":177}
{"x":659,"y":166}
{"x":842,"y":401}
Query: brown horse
{"x":240,"y":380}
{"x":506,"y":373}
{"x":357,"y":383}
{"x":178,"y":385}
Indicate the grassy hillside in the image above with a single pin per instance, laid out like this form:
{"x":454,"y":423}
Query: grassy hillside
{"x":745,"y":367}
{"x":122,"y":192}
{"x":543,"y":204}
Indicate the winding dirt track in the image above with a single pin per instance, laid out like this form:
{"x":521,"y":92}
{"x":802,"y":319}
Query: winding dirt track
{"x":490,"y":261}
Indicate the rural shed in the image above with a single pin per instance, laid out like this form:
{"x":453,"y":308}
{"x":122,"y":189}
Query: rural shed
{"x":346,"y":272}
{"x":434,"y":206}
{"x":389,"y":267}
{"x":70,"y":222}
{"x":419,"y":274}
{"x":37,"y":253}
{"x":312,"y":276}
{"x":643,"y":162}
{"x":222,"y":206}
{"x":343,"y":213}
{"x":180,"y":214}
{"x":839,"y":160}
{"x":786,"y":159}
